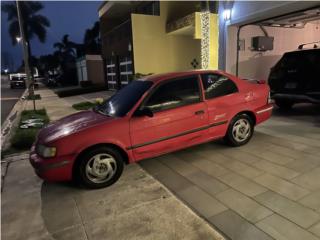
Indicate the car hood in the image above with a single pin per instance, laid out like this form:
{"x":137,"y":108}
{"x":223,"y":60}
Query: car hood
{"x":71,"y":124}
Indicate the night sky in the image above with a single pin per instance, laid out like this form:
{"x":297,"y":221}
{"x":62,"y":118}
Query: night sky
{"x":66,"y":17}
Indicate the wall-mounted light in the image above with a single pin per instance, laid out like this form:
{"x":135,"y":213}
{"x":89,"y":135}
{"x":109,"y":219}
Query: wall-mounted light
{"x":226,"y":14}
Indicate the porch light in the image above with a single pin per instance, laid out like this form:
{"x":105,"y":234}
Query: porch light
{"x":227,"y":14}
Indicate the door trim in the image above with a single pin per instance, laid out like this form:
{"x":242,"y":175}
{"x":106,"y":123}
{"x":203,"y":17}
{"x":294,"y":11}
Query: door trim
{"x":176,"y":135}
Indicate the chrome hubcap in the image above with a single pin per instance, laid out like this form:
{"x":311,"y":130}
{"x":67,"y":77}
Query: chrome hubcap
{"x":241,"y":130}
{"x":101,"y":168}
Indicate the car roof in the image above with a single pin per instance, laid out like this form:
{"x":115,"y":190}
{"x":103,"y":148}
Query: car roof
{"x":155,"y":78}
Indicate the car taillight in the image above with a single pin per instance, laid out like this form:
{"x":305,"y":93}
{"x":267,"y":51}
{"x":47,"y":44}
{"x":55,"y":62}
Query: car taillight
{"x":270,"y":100}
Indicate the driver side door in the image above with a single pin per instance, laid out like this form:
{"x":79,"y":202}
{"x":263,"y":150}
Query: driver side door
{"x":179,"y":119}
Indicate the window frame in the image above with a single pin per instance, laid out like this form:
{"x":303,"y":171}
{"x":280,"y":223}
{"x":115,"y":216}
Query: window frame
{"x":220,"y":75}
{"x":157,"y":86}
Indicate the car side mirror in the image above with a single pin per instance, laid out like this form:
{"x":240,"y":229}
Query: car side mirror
{"x":144,"y":112}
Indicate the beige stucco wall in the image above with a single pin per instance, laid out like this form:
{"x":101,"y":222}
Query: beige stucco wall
{"x":95,"y":69}
{"x":155,"y":51}
{"x":257,"y":65}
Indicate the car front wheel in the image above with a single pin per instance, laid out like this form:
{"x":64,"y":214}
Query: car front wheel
{"x":100,"y":167}
{"x":240,"y":130}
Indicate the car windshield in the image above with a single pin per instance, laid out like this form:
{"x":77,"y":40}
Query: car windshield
{"x":122,"y":102}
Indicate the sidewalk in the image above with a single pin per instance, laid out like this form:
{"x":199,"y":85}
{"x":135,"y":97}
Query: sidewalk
{"x":136,"y":207}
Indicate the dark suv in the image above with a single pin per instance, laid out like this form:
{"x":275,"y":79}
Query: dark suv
{"x":296,"y":78}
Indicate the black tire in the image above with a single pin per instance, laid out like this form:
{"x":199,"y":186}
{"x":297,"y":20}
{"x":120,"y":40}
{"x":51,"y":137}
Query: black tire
{"x":83,"y":176}
{"x":284,"y":104}
{"x":230,"y":137}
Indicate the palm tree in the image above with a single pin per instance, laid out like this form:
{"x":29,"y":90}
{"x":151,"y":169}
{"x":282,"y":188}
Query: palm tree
{"x":67,"y":47}
{"x":91,"y":40}
{"x":34,"y":24}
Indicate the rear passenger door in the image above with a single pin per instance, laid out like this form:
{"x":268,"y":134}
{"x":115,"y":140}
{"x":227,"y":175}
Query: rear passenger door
{"x":222,"y":98}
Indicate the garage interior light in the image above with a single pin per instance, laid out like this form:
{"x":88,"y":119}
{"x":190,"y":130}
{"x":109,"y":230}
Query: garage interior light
{"x":227,"y":14}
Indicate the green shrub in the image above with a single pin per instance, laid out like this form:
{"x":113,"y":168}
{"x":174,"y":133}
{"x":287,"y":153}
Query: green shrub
{"x":83,"y":105}
{"x":34,"y":97}
{"x":78,"y":90}
{"x":23,"y":138}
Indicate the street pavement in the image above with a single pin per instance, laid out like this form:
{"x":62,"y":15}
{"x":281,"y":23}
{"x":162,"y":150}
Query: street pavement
{"x":9,"y":97}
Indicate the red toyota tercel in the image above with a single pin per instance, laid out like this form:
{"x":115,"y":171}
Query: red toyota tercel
{"x":149,"y":117}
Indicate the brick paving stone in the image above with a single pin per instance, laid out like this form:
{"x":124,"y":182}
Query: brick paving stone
{"x":310,"y":180}
{"x":201,"y":201}
{"x":243,"y":169}
{"x":210,"y":168}
{"x":295,"y":212}
{"x":312,"y":200}
{"x":237,"y":228}
{"x":277,"y":170}
{"x":249,"y":188}
{"x":281,"y":229}
{"x":315,"y":229}
{"x":283,"y":187}
{"x":244,"y":206}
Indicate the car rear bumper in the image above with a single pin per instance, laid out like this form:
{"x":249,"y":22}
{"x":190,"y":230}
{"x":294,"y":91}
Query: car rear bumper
{"x":17,"y":84}
{"x":311,"y":98}
{"x":53,"y":169}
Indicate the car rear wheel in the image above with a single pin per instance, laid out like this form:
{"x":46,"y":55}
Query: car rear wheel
{"x":100,"y":167}
{"x":240,"y":130}
{"x":285,"y":105}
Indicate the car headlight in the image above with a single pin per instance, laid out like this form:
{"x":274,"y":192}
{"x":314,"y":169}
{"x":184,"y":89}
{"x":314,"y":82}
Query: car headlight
{"x":46,"y":152}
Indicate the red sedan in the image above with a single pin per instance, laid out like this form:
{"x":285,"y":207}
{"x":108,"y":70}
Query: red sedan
{"x":152,"y":116}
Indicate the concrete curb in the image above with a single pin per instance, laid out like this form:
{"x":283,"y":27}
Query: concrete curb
{"x":11,"y":120}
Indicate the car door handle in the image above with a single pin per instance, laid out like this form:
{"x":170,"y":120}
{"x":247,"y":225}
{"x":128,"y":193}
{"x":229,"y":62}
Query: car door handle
{"x":200,"y":112}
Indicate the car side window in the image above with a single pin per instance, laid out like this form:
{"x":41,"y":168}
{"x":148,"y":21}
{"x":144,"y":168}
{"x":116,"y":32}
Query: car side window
{"x":216,"y":85}
{"x":174,"y":93}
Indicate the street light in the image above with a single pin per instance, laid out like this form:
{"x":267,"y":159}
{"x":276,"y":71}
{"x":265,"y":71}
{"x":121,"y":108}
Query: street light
{"x":18,"y":39}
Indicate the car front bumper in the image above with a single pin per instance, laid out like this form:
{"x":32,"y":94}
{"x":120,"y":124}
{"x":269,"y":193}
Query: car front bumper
{"x":51,"y":169}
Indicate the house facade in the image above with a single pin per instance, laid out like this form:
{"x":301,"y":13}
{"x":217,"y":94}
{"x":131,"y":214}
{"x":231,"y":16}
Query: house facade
{"x":149,"y":37}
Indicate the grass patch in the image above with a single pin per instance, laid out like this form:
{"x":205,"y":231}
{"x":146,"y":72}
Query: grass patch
{"x":34,"y":97}
{"x":83,"y":105}
{"x":80,"y":90}
{"x":24,"y":138}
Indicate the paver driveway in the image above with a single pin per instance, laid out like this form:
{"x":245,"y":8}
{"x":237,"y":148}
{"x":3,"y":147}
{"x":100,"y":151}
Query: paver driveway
{"x":268,"y":189}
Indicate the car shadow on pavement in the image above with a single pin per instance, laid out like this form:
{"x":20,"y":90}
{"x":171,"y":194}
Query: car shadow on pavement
{"x":59,"y":210}
{"x":301,"y":112}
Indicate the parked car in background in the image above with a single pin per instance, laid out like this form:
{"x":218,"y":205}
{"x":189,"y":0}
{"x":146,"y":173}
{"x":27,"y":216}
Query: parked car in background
{"x":18,"y":80}
{"x":149,"y":117}
{"x":296,"y":78}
